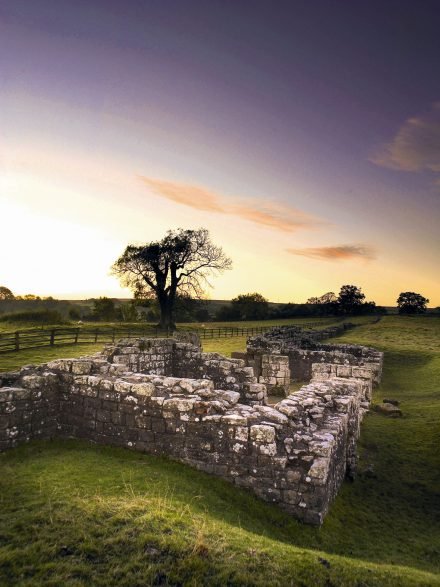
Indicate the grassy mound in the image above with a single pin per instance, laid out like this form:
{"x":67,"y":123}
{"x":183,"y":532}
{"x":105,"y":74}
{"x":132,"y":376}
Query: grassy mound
{"x":76,"y":514}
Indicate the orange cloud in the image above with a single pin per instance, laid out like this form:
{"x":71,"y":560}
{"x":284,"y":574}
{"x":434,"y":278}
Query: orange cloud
{"x":416,"y":146}
{"x":273,"y":215}
{"x":337,"y":253}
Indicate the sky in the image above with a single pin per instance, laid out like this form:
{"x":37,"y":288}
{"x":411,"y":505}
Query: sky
{"x":303,"y":134}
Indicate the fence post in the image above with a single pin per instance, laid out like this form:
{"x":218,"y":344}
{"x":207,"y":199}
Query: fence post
{"x":17,"y":341}
{"x":52,"y":337}
{"x":96,"y":335}
{"x":76,"y":335}
{"x":113,"y":334}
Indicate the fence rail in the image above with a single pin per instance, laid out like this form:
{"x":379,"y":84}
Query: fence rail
{"x":35,"y":338}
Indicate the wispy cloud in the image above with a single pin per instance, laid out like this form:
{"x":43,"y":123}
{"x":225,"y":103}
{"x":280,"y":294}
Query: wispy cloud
{"x":337,"y":253}
{"x":416,"y":146}
{"x":270,"y":214}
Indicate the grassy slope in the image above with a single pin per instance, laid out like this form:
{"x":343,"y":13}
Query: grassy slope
{"x":75,"y":514}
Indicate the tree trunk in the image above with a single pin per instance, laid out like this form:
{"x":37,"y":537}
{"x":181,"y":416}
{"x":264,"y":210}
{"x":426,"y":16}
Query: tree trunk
{"x":166,"y":313}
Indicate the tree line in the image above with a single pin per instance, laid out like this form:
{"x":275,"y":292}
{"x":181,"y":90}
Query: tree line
{"x":169,"y":277}
{"x":178,"y":267}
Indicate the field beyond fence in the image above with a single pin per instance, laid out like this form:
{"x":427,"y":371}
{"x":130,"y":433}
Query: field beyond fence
{"x":35,"y":338}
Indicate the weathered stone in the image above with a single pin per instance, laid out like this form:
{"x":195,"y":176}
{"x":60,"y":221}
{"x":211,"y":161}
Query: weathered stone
{"x":167,"y":397}
{"x":262,"y":434}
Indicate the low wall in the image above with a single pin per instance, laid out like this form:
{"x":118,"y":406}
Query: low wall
{"x":28,"y":407}
{"x":295,"y":453}
{"x":182,"y":359}
{"x":303,"y":351}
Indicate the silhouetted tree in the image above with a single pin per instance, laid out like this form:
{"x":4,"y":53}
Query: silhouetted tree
{"x":324,"y":305}
{"x":326,"y":298}
{"x":226,"y":313}
{"x":251,"y":306}
{"x":190,"y":310}
{"x":350,"y":299}
{"x":178,"y":264}
{"x":410,"y":302}
{"x":6,"y":293}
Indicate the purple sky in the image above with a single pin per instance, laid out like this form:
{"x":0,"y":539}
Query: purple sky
{"x":325,"y":110}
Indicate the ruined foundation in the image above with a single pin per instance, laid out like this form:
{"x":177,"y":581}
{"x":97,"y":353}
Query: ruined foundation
{"x":163,"y":396}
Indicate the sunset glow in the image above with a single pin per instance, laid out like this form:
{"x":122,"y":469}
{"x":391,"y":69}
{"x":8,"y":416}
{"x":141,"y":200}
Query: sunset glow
{"x":311,"y":166}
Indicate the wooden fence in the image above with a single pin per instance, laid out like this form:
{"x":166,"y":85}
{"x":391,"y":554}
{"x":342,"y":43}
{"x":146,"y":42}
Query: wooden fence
{"x":35,"y":338}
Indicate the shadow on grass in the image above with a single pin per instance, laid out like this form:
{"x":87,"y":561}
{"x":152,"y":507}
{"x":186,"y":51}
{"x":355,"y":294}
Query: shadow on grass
{"x":364,"y":521}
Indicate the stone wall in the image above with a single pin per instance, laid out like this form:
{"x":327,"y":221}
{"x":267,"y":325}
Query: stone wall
{"x":186,"y":360}
{"x":272,"y":370}
{"x":303,"y":351}
{"x":28,"y":407}
{"x":162,"y":396}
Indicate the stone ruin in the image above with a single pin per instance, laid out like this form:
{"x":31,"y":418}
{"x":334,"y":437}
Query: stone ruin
{"x":167,"y":397}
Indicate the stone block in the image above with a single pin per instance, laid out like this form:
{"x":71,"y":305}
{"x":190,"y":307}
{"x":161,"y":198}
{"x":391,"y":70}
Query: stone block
{"x":262,"y":433}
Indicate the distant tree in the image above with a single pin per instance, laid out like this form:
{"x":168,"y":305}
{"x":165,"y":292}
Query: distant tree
{"x":6,"y":293}
{"x":370,"y":308}
{"x":410,"y":302}
{"x":226,"y":313}
{"x":190,"y":310}
{"x":289,"y":310}
{"x":350,"y":299}
{"x":104,"y":309}
{"x":313,"y":301}
{"x":178,"y":264}
{"x":251,"y":306}
{"x":326,"y":298}
{"x":324,"y":305}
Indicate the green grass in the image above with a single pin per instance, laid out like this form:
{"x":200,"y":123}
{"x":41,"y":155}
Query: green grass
{"x":76,"y":514}
{"x":319,"y":321}
{"x":72,"y":514}
{"x":224,"y":346}
{"x":13,"y":361}
{"x":257,"y":323}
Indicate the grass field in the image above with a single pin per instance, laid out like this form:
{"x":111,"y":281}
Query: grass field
{"x":76,"y":514}
{"x":12,"y":326}
{"x":14,"y":360}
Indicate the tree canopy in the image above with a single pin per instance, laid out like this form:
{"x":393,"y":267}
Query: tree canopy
{"x":6,"y":293}
{"x":327,"y":298}
{"x":180,"y":263}
{"x":410,"y":302}
{"x":350,"y":299}
{"x":251,"y":306}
